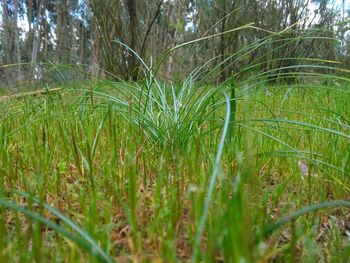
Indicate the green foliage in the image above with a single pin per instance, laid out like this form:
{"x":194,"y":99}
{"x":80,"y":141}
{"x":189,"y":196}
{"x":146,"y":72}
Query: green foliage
{"x":107,"y":163}
{"x":148,"y":171}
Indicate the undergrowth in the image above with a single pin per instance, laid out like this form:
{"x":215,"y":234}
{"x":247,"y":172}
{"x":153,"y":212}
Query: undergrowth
{"x":245,"y":170}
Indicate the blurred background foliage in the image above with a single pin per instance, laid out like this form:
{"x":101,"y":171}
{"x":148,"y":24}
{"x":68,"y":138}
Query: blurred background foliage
{"x":79,"y":39}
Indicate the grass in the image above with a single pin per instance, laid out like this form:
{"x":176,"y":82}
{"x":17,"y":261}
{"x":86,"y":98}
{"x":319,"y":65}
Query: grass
{"x":251,"y":170}
{"x":149,"y":172}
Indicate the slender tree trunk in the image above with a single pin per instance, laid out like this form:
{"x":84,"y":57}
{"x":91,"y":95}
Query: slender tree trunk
{"x":82,"y":45}
{"x":94,"y":68}
{"x":7,"y":41}
{"x":30,"y":31}
{"x":36,"y":43}
{"x":17,"y":50}
{"x":61,"y":30}
{"x":222,"y":48}
{"x":46,"y":40}
{"x":74,"y":47}
{"x":132,"y":31}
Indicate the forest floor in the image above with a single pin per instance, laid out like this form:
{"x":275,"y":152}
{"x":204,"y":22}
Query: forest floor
{"x":91,"y":175}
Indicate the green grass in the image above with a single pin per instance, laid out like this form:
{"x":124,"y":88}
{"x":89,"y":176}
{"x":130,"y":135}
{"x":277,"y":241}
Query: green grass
{"x":149,"y":172}
{"x":251,"y":170}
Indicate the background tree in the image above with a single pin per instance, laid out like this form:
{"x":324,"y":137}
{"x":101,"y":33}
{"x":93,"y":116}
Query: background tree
{"x":87,"y":33}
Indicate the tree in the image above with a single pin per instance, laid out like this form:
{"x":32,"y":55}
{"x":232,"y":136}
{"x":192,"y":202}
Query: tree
{"x":106,"y":33}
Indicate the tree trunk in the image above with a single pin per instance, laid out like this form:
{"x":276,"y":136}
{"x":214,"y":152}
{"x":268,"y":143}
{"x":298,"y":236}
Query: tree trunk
{"x":94,"y":68}
{"x":132,"y":31}
{"x":17,"y":51}
{"x":30,"y":31}
{"x":36,"y":43}
{"x":7,"y":41}
{"x":222,"y":48}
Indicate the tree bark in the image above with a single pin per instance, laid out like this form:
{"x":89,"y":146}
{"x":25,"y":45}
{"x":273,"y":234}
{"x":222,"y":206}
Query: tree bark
{"x":132,"y":31}
{"x":17,"y":50}
{"x":7,"y":41}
